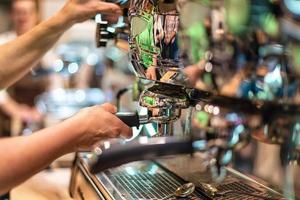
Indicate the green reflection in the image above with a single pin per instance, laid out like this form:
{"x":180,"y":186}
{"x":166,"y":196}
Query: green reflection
{"x":198,"y":41}
{"x":269,"y":24}
{"x":202,"y":118}
{"x":237,"y":15}
{"x":207,"y":79}
{"x":149,"y":100}
{"x":145,"y":40}
{"x":295,"y":51}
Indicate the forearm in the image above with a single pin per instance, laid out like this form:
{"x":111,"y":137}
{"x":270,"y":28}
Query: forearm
{"x":22,"y":157}
{"x":18,"y":56}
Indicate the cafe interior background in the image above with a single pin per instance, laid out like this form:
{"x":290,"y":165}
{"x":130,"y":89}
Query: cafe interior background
{"x":75,"y":74}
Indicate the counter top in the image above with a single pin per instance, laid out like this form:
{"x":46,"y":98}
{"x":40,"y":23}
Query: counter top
{"x":47,"y":185}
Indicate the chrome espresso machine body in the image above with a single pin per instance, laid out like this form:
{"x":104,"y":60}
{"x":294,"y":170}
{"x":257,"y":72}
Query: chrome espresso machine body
{"x":234,"y":62}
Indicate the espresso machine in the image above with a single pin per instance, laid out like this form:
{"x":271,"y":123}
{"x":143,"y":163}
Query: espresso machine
{"x":230,"y":69}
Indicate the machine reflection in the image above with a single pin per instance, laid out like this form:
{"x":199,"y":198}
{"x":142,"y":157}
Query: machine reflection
{"x":231,"y":69}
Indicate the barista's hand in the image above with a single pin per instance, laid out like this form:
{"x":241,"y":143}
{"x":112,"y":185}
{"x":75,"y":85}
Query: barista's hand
{"x":193,"y":72}
{"x":76,"y":11}
{"x":151,"y":73}
{"x":97,"y":123}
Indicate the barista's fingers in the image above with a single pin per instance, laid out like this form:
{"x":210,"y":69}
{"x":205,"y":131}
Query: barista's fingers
{"x":194,"y":72}
{"x":108,"y":8}
{"x":153,"y":76}
{"x":120,"y":128}
{"x":96,"y":148}
{"x":148,"y":75}
{"x":127,"y":132}
{"x":109,"y":107}
{"x":151,"y":73}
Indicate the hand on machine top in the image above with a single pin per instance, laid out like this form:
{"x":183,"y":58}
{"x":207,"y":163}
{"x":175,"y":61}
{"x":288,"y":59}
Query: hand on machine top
{"x":80,"y":10}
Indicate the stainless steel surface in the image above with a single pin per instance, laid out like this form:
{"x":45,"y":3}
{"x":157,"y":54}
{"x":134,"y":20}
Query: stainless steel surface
{"x":241,"y":53}
{"x":183,"y":191}
{"x":138,"y":180}
{"x":167,"y":37}
{"x":142,"y":184}
{"x":149,"y":59}
{"x":164,"y":103}
{"x":239,"y":59}
{"x":192,"y":169}
{"x":157,"y":180}
{"x":240,"y":56}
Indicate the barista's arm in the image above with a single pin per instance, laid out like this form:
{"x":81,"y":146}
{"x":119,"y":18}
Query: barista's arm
{"x":18,"y":56}
{"x":194,"y":72}
{"x":21,"y":157}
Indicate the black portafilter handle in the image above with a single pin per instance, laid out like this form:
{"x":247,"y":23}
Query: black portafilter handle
{"x":130,"y":119}
{"x":102,"y":34}
{"x":141,"y":149}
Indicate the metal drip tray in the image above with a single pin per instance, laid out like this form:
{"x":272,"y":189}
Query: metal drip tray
{"x":142,"y":180}
{"x":149,"y":180}
{"x":147,"y":186}
{"x":234,"y":188}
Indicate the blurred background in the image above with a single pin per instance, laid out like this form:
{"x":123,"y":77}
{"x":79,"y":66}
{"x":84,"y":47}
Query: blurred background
{"x":74,"y":74}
